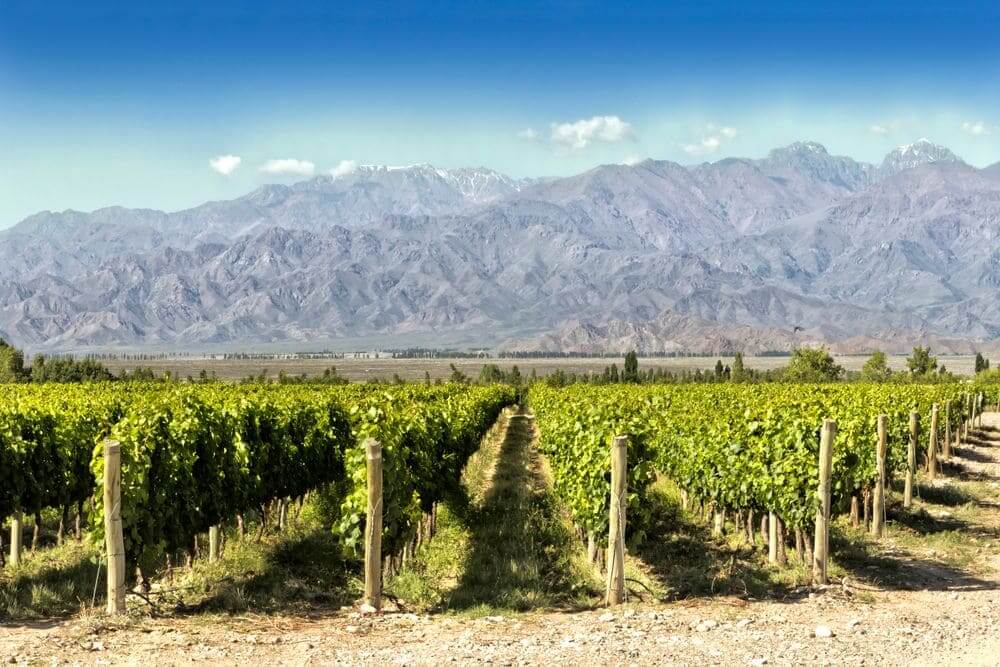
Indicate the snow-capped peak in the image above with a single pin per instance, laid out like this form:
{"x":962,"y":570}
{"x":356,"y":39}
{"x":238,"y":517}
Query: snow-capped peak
{"x":922,"y":151}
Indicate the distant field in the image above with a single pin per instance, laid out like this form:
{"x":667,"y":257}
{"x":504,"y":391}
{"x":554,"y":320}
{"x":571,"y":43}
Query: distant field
{"x":413,"y":369}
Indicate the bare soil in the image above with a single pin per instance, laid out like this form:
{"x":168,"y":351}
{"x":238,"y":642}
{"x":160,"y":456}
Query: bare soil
{"x":938,"y":614}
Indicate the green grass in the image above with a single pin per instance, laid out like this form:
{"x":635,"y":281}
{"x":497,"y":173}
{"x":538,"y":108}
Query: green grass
{"x":299,"y":570}
{"x":55,"y":581}
{"x":295,"y":571}
{"x":505,"y":544}
{"x":680,"y":559}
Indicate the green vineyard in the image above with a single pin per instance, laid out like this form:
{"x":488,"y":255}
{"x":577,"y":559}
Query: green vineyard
{"x":736,"y":447}
{"x":197,"y":456}
{"x":193,"y":456}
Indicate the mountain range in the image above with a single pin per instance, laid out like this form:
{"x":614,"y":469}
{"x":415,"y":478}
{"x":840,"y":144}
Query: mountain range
{"x":754,"y":254}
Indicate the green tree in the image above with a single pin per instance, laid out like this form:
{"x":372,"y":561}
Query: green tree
{"x":490,"y":374}
{"x":11,"y":363}
{"x":457,"y":375}
{"x":876,"y":369}
{"x":719,"y":369}
{"x":812,"y":364}
{"x":739,"y":373}
{"x":630,"y":373}
{"x":982,"y":363}
{"x":921,"y":362}
{"x":614,"y":373}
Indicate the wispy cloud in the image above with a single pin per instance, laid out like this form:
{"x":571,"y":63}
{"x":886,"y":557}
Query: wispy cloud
{"x":881,"y":129}
{"x":344,"y":168}
{"x":582,"y":133}
{"x":528,"y":134}
{"x":711,"y":140}
{"x":631,"y":160}
{"x":225,"y":164}
{"x":977,"y":128}
{"x":288,"y":166}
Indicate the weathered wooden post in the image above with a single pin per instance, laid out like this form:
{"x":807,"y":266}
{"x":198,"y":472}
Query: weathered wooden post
{"x":822,"y":538}
{"x":772,"y":537}
{"x":911,"y":459}
{"x":932,"y":445}
{"x":968,"y":412}
{"x":718,"y":520}
{"x":213,"y":543}
{"x":878,"y":501}
{"x":946,"y":445}
{"x":616,"y":522}
{"x":113,"y":537}
{"x":373,"y":525}
{"x":16,"y":536}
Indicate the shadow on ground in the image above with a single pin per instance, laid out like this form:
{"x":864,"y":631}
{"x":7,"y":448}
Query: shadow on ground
{"x":521,"y":551}
{"x":865,"y":561}
{"x":682,"y":556}
{"x":301,"y":573}
{"x":51,"y":582}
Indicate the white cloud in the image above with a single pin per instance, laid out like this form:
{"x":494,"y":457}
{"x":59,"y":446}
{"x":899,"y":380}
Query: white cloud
{"x":712,"y":140}
{"x":632,"y":160}
{"x":582,"y":133}
{"x":288,"y":166}
{"x":977,"y":129}
{"x":344,"y":168}
{"x":884,"y":128}
{"x":528,"y":134}
{"x":225,"y":164}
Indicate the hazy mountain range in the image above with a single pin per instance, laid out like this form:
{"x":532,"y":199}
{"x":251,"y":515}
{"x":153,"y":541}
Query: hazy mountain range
{"x":796,"y":247}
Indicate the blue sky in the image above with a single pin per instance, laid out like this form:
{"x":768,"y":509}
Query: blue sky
{"x":126,"y":103}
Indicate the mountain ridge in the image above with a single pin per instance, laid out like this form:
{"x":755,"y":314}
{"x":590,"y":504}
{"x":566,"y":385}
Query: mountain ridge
{"x":799,"y":238}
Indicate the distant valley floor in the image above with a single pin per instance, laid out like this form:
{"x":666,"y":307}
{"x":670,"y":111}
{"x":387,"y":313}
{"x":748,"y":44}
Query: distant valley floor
{"x":413,"y":369}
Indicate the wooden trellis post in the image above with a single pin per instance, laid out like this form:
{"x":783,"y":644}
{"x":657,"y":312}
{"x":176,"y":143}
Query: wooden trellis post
{"x":16,"y":536}
{"x":878,"y":501}
{"x":932,"y":445}
{"x":822,"y":538}
{"x":373,"y":525}
{"x":213,"y":543}
{"x":113,"y":536}
{"x":911,"y":459}
{"x":616,"y":521}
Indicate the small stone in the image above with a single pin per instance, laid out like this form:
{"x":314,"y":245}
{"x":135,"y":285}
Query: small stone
{"x":495,"y":619}
{"x":628,"y":613}
{"x":606,"y":617}
{"x":352,"y":629}
{"x":706,"y":625}
{"x":758,"y":662}
{"x":368,"y":609}
{"x":853,"y":623}
{"x":954,"y":596}
{"x":822,"y":632}
{"x":742,"y":623}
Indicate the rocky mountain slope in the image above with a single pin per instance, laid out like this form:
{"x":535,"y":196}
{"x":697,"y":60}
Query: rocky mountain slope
{"x":739,"y":252}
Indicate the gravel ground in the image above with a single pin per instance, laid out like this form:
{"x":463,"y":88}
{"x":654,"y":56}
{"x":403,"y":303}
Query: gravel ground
{"x":952,"y":621}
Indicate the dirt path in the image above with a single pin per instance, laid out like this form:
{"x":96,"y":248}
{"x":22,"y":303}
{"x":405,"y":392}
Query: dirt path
{"x":950,"y":619}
